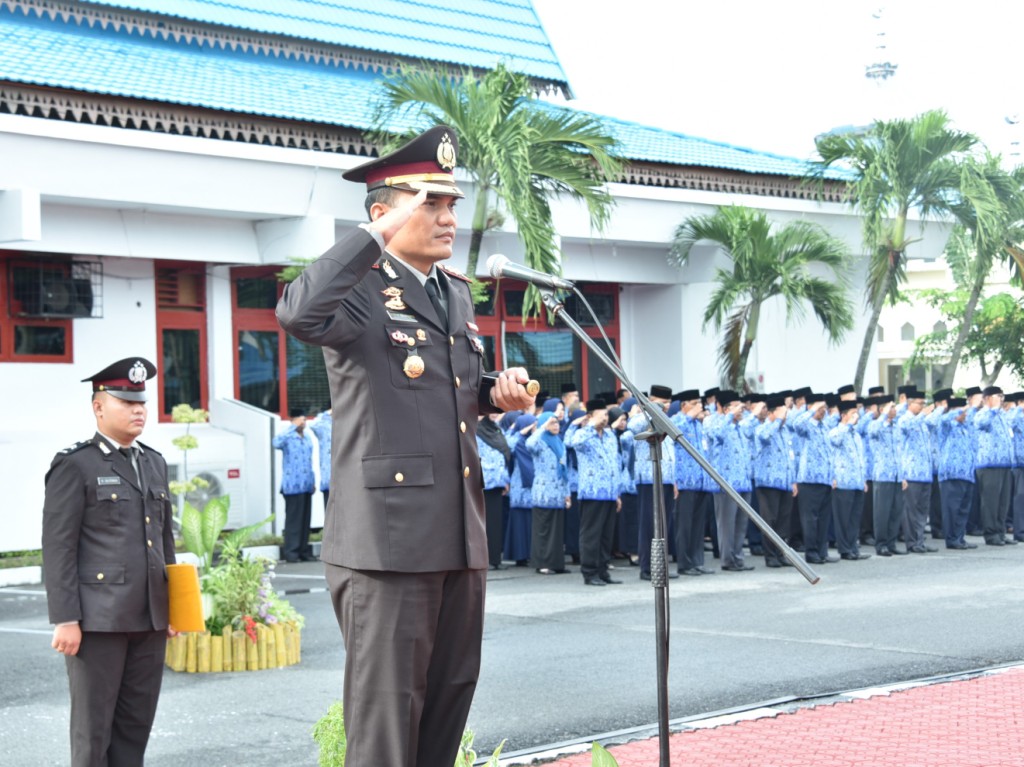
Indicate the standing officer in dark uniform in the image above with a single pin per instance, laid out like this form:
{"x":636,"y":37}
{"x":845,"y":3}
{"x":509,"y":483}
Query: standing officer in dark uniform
{"x":404,"y":546}
{"x":106,"y":541}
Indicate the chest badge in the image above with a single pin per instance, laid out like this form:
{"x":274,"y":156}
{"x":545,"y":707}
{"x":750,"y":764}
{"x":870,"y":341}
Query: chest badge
{"x":394,"y":296}
{"x":413,"y":366}
{"x":389,"y":270}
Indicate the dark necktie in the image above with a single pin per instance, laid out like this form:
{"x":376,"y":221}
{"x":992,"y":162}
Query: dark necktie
{"x":435,"y":298}
{"x":131,"y":455}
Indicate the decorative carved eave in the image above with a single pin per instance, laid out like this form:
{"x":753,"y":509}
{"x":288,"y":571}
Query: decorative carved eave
{"x":92,"y":109}
{"x":189,"y":32}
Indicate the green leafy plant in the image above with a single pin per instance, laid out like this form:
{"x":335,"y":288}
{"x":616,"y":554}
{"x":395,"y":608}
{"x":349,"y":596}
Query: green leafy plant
{"x":21,"y":558}
{"x":329,"y":734}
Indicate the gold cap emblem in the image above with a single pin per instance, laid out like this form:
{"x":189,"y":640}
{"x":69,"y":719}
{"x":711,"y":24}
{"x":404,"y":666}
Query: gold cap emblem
{"x":446,"y":153}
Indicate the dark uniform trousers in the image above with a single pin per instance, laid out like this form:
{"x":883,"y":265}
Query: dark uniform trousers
{"x":597,"y":529}
{"x":847,"y":506}
{"x":691,"y":519}
{"x":412,"y":657}
{"x":888,"y":514}
{"x":917,"y":499}
{"x":115,"y":684}
{"x":494,"y":507}
{"x":298,"y":510}
{"x":956,"y":506}
{"x":645,"y":509}
{"x":776,"y":509}
{"x":814,"y":503}
{"x":994,"y":489}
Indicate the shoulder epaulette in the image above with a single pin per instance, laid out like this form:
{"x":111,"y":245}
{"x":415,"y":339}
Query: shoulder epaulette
{"x":75,"y":447}
{"x":453,"y":273}
{"x":149,"y":449}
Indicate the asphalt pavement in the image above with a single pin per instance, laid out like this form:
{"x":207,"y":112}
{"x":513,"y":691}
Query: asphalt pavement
{"x":563,"y":661}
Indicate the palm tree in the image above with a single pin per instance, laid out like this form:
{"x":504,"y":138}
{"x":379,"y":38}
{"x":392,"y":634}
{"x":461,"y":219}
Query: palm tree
{"x":515,"y":147}
{"x":899,"y":166}
{"x":977,"y":243}
{"x":767,"y":263}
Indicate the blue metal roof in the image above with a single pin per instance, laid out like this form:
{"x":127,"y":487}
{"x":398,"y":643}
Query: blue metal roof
{"x":476,"y":33}
{"x":71,"y":56}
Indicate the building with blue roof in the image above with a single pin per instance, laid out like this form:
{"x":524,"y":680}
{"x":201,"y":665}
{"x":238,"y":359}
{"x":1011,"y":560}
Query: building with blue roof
{"x":163,"y":160}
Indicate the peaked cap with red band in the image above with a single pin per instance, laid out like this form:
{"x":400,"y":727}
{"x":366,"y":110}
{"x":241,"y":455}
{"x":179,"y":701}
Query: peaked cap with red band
{"x":125,"y":379}
{"x":423,"y":164}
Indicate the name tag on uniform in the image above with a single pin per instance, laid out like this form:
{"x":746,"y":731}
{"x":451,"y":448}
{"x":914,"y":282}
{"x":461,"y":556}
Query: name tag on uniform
{"x":402,"y":317}
{"x":108,"y":480}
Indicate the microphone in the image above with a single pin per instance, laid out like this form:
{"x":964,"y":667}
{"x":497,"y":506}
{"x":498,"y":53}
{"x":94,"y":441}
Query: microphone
{"x":500,"y":266}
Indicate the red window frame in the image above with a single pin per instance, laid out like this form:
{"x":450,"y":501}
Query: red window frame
{"x":182,"y":317}
{"x":491,"y":325}
{"x":9,"y":322}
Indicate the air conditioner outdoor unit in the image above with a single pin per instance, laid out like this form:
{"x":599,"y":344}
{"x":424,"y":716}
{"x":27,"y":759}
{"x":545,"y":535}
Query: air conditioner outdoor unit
{"x":221,"y":479}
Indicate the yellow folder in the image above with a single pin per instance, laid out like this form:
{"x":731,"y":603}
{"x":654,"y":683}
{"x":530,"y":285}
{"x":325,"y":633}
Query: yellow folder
{"x":186,"y":606}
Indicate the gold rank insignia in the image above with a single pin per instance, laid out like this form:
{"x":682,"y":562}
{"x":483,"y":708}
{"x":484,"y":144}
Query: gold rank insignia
{"x":394,"y":301}
{"x":413,"y":367}
{"x":389,"y":270}
{"x":421,"y":334}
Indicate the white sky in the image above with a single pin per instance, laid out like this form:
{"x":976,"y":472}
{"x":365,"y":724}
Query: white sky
{"x":772,"y":75}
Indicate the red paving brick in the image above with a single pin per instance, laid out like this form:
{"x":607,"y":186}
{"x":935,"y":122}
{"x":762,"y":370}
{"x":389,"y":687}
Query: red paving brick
{"x":975,"y":722}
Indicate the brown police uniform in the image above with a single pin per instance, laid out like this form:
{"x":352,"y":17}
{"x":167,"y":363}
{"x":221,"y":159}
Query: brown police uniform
{"x":404,"y":540}
{"x":106,"y":541}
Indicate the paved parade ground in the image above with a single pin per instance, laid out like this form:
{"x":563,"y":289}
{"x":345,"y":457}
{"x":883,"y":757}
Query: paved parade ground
{"x":564,"y":662}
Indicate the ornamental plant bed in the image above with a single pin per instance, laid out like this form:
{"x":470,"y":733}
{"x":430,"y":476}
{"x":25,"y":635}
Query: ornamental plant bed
{"x":256,"y":648}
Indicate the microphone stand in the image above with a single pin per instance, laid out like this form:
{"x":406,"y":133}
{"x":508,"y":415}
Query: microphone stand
{"x":661,"y":426}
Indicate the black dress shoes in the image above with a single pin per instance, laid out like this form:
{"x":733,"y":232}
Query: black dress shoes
{"x":897,"y":552}
{"x":608,"y":579}
{"x":595,"y":581}
{"x":706,"y":570}
{"x":922,"y":549}
{"x":645,"y":576}
{"x":855,"y":557}
{"x":961,"y":546}
{"x":691,"y":571}
{"x":737,"y":568}
{"x":883,"y":552}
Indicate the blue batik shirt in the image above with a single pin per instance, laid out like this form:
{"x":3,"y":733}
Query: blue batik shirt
{"x":519,"y":497}
{"x":885,"y":449}
{"x":995,"y":439}
{"x":689,"y":474}
{"x":550,"y":476}
{"x":862,"y":429}
{"x":644,"y":467}
{"x":493,"y":465}
{"x":915,"y":448}
{"x":1016,"y":414}
{"x":775,"y":462}
{"x":322,"y":427}
{"x":627,"y":469}
{"x":598,"y":458}
{"x":730,"y":446}
{"x":815,"y":467}
{"x":934,"y":423}
{"x":571,"y":461}
{"x":956,"y":459}
{"x":849,"y":467}
{"x":297,"y":461}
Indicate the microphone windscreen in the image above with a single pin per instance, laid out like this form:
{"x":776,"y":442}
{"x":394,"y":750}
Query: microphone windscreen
{"x":495,"y":264}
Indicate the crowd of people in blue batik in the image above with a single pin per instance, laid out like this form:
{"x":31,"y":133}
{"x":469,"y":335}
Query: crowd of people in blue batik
{"x":578,"y":483}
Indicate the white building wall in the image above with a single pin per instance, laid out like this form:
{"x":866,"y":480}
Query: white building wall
{"x":128,"y":198}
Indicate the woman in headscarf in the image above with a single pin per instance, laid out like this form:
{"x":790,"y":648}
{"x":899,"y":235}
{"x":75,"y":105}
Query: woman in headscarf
{"x":550,"y":495}
{"x":520,"y":496}
{"x":495,"y":460}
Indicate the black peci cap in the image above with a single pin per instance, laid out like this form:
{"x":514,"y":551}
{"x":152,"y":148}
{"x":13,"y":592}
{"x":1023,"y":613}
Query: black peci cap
{"x":661,"y":392}
{"x":124,"y":379}
{"x":423,"y":164}
{"x":595,"y":404}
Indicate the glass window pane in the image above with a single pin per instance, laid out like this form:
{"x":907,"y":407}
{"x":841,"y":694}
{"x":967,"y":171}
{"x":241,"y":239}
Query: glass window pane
{"x":258,"y":383}
{"x":489,"y":357}
{"x":599,"y":379}
{"x":307,"y":377}
{"x":179,"y":374}
{"x":548,"y":356}
{"x":256,"y":292}
{"x":603,"y":305}
{"x":32,"y":340}
{"x":514,"y":303}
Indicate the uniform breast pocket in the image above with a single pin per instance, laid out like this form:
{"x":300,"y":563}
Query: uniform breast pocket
{"x":113,"y":503}
{"x":476,"y":360}
{"x":156,"y":501}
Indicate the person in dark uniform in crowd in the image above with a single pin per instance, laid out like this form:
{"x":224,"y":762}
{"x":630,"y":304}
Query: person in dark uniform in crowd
{"x":495,"y":459}
{"x":297,"y":487}
{"x":405,"y":547}
{"x":106,"y":541}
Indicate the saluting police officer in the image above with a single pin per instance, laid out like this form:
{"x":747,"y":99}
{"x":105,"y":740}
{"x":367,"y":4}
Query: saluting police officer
{"x":404,"y":544}
{"x":107,"y":539}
